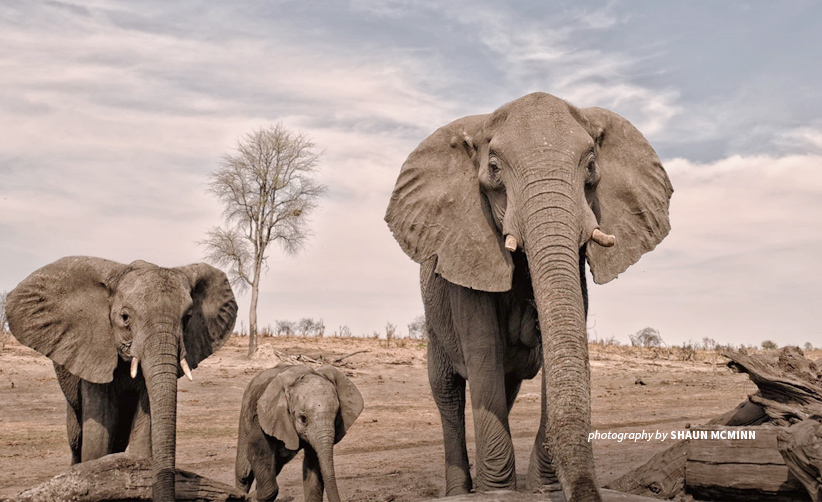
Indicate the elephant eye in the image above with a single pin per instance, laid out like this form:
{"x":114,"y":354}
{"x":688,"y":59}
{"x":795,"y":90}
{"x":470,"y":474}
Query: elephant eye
{"x":591,"y":173}
{"x":302,"y":419}
{"x":125,"y":318}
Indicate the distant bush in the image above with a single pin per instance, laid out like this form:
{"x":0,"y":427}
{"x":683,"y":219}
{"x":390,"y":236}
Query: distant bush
{"x":286,"y":328}
{"x":808,"y":346}
{"x":769,"y":345}
{"x":390,"y":332}
{"x":416,"y":328}
{"x":646,"y":337}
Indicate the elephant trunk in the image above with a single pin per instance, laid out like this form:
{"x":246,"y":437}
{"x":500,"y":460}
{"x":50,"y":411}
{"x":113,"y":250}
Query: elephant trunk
{"x":323,"y":444}
{"x":552,"y":247}
{"x":159,"y":363}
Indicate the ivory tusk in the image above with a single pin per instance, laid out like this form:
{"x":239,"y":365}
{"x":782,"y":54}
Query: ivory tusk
{"x":510,"y":243}
{"x":602,"y":238}
{"x":186,"y":370}
{"x":135,"y":363}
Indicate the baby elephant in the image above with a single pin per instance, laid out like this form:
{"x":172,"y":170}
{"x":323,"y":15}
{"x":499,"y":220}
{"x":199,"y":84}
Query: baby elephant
{"x":287,"y":408}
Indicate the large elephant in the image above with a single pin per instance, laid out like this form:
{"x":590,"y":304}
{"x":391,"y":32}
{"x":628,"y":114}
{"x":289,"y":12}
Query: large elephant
{"x":499,"y":210}
{"x":101,"y":322}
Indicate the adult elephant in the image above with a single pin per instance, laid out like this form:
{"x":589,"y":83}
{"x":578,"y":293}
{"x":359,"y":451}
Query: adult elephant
{"x":499,"y":210}
{"x":102,"y":322}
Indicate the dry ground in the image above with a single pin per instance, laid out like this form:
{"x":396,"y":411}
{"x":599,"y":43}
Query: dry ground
{"x":394,"y":451}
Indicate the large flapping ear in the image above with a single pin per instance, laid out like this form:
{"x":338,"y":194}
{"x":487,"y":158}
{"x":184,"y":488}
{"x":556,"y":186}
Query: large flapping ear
{"x":437,"y":208}
{"x":214,"y":313}
{"x":272,"y":407}
{"x":351,"y":404}
{"x":632,"y":196}
{"x":62,"y":311}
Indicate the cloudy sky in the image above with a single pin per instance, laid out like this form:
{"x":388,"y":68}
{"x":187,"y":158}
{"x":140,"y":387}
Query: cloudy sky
{"x":113,"y":115}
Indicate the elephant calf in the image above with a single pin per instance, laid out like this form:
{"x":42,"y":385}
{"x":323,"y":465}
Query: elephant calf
{"x":288,"y":408}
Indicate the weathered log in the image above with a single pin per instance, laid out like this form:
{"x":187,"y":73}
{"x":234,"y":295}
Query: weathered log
{"x":662,"y":477}
{"x":788,"y":383}
{"x":739,"y":469}
{"x":123,"y":477}
{"x":801,"y":447}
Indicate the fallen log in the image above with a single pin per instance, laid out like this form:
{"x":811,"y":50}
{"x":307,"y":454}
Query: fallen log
{"x":801,"y":447}
{"x":720,"y":468}
{"x":783,"y":462}
{"x":662,"y":477}
{"x":123,"y":477}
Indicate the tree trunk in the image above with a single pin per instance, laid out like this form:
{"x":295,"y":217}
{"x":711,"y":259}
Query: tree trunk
{"x":252,"y":315}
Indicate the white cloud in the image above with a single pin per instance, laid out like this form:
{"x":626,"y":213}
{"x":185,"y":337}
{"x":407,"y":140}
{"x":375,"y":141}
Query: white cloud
{"x":741,"y":263}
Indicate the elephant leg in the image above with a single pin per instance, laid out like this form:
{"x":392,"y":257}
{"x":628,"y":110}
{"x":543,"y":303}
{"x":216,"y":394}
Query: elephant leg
{"x":448,"y":389}
{"x":70,"y":385}
{"x":263,"y":459}
{"x":512,"y":386}
{"x":75,"y":433}
{"x":475,"y":320}
{"x":540,"y":471}
{"x":243,"y":475}
{"x":312,"y":476}
{"x":139,"y":441}
{"x":99,"y":420}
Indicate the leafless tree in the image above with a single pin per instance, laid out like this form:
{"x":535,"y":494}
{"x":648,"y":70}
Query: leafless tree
{"x":268,"y":189}
{"x":416,"y":328}
{"x":390,"y":332}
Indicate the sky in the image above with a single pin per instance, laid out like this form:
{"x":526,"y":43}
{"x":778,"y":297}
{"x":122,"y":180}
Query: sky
{"x":113,"y":115}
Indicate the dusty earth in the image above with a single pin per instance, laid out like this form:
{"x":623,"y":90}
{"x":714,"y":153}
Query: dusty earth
{"x":394,"y":451}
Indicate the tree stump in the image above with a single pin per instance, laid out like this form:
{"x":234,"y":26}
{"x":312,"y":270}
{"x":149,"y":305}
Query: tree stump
{"x":123,"y":477}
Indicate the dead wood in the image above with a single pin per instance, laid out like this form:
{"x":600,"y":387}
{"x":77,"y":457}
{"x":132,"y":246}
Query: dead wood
{"x":340,"y":359}
{"x":801,"y":447}
{"x":789,"y":392}
{"x":788,"y":383}
{"x":662,"y":477}
{"x":123,"y":477}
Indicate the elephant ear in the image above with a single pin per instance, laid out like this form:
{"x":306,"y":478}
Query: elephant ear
{"x":62,"y":312}
{"x":632,"y":196}
{"x":213,"y":315}
{"x":437,"y":209}
{"x":351,"y":404}
{"x":272,"y":407}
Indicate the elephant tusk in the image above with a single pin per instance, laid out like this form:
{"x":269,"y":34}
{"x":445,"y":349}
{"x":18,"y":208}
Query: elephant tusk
{"x":602,"y":238}
{"x":186,"y":370}
{"x":510,"y":243}
{"x":135,"y":363}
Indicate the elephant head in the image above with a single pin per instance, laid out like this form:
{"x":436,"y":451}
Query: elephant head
{"x":545,"y":177}
{"x":86,"y":314}
{"x":317,"y":407}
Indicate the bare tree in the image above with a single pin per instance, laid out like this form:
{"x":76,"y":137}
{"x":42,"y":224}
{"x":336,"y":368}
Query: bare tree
{"x":390,"y":332}
{"x":646,"y":337}
{"x":268,"y":189}
{"x":3,"y":331}
{"x":416,"y":328}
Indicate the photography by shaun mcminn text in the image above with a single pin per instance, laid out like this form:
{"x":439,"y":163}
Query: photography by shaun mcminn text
{"x":673,"y":435}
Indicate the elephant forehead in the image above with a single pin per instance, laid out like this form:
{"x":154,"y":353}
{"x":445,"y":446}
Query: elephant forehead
{"x":152,"y":285}
{"x":313,"y":389}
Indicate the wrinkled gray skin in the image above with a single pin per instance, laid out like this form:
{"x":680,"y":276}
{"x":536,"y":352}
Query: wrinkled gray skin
{"x":288,"y":408}
{"x":547,"y":174}
{"x":92,"y":317}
